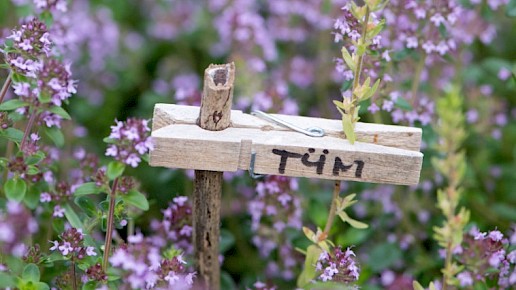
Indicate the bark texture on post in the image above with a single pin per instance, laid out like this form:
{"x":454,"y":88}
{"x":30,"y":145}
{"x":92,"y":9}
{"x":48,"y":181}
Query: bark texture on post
{"x":215,"y":115}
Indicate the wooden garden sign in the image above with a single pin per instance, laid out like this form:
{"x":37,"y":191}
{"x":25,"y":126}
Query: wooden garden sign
{"x":213,"y":139}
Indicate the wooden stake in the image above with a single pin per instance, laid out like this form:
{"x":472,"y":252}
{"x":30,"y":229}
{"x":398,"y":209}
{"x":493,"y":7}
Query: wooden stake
{"x":214,"y":115}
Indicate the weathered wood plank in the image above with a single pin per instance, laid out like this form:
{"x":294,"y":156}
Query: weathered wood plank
{"x":190,"y":147}
{"x":387,"y":135}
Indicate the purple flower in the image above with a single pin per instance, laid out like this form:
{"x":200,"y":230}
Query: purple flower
{"x":55,"y":245}
{"x":58,"y":211}
{"x":496,"y":236}
{"x":339,"y":266}
{"x":129,"y":141}
{"x":45,"y":197}
{"x":373,"y":108}
{"x":65,"y":248}
{"x":465,"y":279}
{"x":437,"y":19}
{"x":90,"y":251}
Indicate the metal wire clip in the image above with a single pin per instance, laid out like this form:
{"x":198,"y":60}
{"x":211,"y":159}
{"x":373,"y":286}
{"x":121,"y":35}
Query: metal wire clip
{"x":251,"y":167}
{"x":311,"y":131}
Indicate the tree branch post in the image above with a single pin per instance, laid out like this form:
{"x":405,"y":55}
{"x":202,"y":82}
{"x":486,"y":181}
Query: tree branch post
{"x":214,"y":115}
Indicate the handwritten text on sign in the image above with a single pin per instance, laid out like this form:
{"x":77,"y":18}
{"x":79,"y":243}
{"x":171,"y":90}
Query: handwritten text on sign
{"x":338,"y":165}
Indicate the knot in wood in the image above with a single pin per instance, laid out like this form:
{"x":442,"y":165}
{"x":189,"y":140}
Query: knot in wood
{"x":217,"y":116}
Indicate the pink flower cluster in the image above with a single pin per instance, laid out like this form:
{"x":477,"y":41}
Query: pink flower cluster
{"x":72,"y":245}
{"x":129,"y":141}
{"x":144,"y":267}
{"x":16,"y":224}
{"x":485,"y":256}
{"x":31,"y":40}
{"x":176,"y":225}
{"x":339,"y":266}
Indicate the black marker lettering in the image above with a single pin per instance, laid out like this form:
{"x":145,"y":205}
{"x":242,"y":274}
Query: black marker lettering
{"x":319,"y":164}
{"x":360,"y":166}
{"x":284,"y":156}
{"x":338,"y":166}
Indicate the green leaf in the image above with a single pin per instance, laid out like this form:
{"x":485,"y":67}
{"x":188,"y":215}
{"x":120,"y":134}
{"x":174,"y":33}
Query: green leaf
{"x":309,"y":273}
{"x":361,"y":49}
{"x":86,"y":188}
{"x":6,"y":281}
{"x":13,"y":134}
{"x":31,"y":199}
{"x":348,"y":59}
{"x":72,"y":217}
{"x":58,"y":225}
{"x":88,"y":206}
{"x":403,"y":104}
{"x":60,"y":112}
{"x":371,"y":92}
{"x":109,"y":140}
{"x":42,"y":286}
{"x":377,"y":29}
{"x":45,"y":97}
{"x":55,"y":135}
{"x":354,"y":223}
{"x":227,"y":240}
{"x":31,"y":273}
{"x":15,"y":189}
{"x":417,"y":286}
{"x":384,"y":256}
{"x":12,"y":105}
{"x":339,"y":104}
{"x":510,"y":9}
{"x":47,"y":17}
{"x":32,"y":170}
{"x":115,"y":169}
{"x":35,"y":158}
{"x":92,"y":285}
{"x":226,"y":282}
{"x":133,"y":197}
{"x":348,"y":129}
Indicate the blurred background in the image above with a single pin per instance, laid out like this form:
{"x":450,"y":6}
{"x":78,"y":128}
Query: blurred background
{"x":129,"y":55}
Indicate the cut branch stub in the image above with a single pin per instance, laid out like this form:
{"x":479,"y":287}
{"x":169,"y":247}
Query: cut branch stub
{"x":217,"y":97}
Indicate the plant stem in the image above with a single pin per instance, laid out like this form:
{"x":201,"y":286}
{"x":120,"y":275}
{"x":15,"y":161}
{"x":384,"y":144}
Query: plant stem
{"x":333,"y":208}
{"x":109,"y":231}
{"x":6,"y":85}
{"x":32,"y":118}
{"x":74,"y":280}
{"x":447,"y":265}
{"x":356,"y":82}
{"x":358,"y":71}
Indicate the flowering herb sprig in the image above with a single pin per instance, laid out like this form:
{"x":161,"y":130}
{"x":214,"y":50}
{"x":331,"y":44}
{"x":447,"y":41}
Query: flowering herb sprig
{"x":361,"y":91}
{"x":323,"y":251}
{"x":450,"y":235}
{"x":129,"y":141}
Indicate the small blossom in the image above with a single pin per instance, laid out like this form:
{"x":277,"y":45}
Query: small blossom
{"x":45,"y":197}
{"x":65,"y":248}
{"x":90,"y":251}
{"x":373,"y":108}
{"x":465,"y":279}
{"x":437,"y":19}
{"x":58,"y":211}
{"x":504,"y":74}
{"x":496,"y":236}
{"x":131,"y":141}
